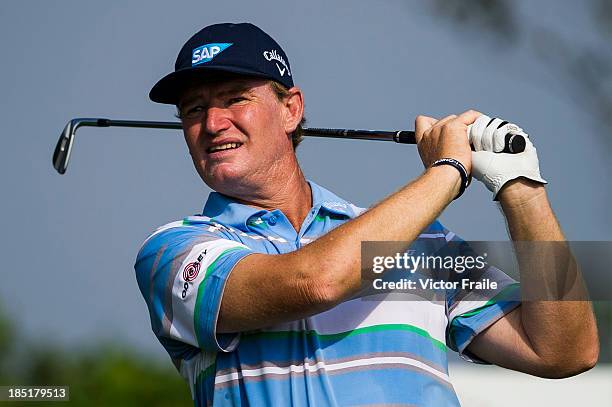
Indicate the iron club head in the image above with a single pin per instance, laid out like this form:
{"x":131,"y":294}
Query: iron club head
{"x":63,"y":148}
{"x":61,"y":155}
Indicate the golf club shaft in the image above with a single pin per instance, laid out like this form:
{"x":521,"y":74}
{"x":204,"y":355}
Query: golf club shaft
{"x":402,"y":136}
{"x":513,"y":143}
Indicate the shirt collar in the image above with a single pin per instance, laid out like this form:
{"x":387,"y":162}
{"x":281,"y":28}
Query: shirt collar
{"x":228,"y":211}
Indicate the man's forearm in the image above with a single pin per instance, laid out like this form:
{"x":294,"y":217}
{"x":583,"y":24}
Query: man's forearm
{"x":559,"y":329}
{"x":400,"y":217}
{"x":327,"y":271}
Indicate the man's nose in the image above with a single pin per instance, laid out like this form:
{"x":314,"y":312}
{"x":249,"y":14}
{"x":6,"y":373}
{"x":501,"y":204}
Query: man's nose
{"x":217,"y":120}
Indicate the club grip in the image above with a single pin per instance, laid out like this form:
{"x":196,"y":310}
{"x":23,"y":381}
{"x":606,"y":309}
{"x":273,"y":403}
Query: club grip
{"x":514,"y":144}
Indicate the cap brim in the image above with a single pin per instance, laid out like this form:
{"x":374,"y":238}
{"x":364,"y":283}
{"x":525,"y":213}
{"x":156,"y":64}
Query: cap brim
{"x":168,"y":89}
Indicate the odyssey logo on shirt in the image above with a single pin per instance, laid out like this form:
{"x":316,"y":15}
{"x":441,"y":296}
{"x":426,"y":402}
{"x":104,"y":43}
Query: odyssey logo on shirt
{"x":207,"y":52}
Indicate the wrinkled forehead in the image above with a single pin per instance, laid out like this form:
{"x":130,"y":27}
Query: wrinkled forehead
{"x":216,"y":85}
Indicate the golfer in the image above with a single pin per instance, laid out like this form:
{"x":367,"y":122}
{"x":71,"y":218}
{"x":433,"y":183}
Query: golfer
{"x":257,"y":299}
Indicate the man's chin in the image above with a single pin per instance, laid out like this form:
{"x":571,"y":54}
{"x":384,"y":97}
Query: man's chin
{"x":227,"y":179}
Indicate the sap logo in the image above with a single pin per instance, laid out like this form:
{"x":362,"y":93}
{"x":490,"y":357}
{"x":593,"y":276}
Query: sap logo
{"x":207,"y":52}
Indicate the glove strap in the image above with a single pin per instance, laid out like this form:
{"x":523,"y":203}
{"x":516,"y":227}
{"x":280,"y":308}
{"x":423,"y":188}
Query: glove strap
{"x":465,"y":177}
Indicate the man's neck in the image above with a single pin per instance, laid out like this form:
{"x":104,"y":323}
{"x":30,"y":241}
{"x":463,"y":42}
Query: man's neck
{"x":288,"y":192}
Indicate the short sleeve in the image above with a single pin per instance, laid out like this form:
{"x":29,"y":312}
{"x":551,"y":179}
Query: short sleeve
{"x":181,"y":272}
{"x":471,"y":311}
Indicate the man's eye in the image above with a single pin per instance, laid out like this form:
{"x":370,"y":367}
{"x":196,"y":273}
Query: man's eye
{"x":193,"y":111}
{"x":237,"y":99}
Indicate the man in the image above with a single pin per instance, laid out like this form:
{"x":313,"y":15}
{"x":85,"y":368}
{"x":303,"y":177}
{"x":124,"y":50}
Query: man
{"x":257,"y":299}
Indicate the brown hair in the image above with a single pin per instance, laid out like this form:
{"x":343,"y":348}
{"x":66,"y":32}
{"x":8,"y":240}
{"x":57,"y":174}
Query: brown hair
{"x":281,"y":93}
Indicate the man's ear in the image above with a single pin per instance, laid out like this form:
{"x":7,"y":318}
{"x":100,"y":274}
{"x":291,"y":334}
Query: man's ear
{"x":294,"y":108}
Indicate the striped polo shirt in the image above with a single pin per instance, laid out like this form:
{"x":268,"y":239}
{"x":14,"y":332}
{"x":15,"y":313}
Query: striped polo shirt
{"x":361,"y":352}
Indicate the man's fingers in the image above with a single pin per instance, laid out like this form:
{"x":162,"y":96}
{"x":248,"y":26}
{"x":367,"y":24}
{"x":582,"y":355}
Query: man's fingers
{"x":421,"y":125}
{"x":424,"y":123}
{"x":446,"y":119}
{"x":476,"y":130}
{"x":468,"y":117}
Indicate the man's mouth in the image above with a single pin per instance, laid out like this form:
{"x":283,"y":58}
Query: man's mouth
{"x":222,"y":147}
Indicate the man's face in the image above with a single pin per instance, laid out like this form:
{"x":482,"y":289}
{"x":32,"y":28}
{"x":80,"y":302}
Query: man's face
{"x":235,"y":130}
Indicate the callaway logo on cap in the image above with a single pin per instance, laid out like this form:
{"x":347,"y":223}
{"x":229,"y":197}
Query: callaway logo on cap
{"x":237,"y":48}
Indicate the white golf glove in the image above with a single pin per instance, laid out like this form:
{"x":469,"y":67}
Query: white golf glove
{"x":493,"y":168}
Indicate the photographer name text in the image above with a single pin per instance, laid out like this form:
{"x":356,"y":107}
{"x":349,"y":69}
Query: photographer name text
{"x":432,"y":284}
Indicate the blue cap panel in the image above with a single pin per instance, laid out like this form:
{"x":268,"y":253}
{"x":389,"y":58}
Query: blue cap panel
{"x":242,"y":49}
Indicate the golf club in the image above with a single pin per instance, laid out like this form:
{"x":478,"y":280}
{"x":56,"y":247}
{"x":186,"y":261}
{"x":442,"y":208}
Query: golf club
{"x":513,"y":143}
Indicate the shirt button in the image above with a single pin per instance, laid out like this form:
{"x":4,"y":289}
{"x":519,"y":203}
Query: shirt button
{"x":272,"y":220}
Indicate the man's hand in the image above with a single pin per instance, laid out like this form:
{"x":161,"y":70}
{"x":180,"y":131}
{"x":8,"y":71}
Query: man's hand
{"x":491,"y":167}
{"x":446,"y":138}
